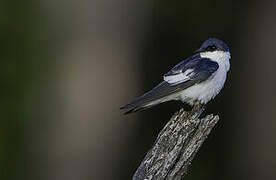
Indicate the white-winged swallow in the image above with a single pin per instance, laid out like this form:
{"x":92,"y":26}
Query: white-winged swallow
{"x":197,"y":79}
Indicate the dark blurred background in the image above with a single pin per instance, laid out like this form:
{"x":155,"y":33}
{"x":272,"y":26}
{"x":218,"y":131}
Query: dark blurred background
{"x":67,"y":66}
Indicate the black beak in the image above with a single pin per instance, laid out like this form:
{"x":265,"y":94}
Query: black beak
{"x":200,"y":50}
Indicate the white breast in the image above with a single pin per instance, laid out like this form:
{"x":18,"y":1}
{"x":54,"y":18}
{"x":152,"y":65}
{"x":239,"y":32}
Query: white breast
{"x":207,"y":90}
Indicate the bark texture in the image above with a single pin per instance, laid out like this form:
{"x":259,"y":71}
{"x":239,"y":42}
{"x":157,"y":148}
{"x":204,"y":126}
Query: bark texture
{"x":176,"y":145}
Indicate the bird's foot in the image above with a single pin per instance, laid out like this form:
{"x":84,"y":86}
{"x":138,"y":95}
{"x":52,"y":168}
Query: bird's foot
{"x":198,"y":108}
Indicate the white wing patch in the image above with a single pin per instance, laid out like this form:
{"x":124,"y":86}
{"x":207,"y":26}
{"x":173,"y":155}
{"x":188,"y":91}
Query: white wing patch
{"x":179,"y":78}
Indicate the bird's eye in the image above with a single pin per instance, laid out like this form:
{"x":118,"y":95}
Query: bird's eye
{"x":211,"y":48}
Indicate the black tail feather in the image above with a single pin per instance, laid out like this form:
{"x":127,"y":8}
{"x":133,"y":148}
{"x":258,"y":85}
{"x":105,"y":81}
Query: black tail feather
{"x":136,"y":109}
{"x":130,"y":111}
{"x":152,"y":97}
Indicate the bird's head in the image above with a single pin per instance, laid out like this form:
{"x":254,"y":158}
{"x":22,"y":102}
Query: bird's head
{"x":214,"y":49}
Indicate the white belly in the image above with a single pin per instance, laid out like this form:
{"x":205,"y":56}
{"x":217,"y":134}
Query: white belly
{"x":206,"y":90}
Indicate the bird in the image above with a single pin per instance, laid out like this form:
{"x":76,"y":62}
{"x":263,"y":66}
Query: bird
{"x":195,"y":80}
